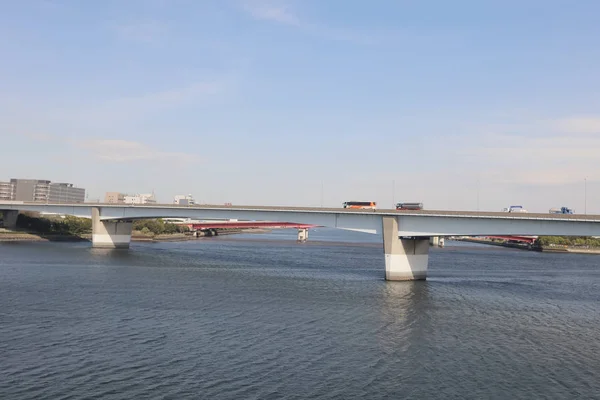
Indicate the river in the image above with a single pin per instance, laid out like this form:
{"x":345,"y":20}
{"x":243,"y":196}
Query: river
{"x":263,"y":317}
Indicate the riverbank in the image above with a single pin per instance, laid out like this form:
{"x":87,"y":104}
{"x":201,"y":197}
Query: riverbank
{"x":494,"y":243}
{"x":569,"y":249}
{"x":23,"y":236}
{"x":544,"y":248}
{"x":16,"y":236}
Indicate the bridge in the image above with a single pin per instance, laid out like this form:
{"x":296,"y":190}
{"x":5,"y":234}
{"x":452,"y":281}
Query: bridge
{"x":405,"y":233}
{"x":522,"y":239}
{"x":244,"y":225}
{"x":212,"y":226}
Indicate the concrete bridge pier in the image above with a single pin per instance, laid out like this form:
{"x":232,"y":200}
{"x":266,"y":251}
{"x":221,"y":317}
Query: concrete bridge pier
{"x":10,"y":219}
{"x":302,"y":235}
{"x":207,"y":232}
{"x":436,"y":241}
{"x":110,"y":234}
{"x":405,"y":259}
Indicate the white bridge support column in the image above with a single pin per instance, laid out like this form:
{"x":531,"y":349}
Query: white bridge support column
{"x":436,"y":241}
{"x":405,"y":259}
{"x":110,"y":234}
{"x":302,"y":235}
{"x":10,"y":219}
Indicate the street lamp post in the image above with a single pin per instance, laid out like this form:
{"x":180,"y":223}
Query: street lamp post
{"x":321,"y":194}
{"x":585,"y":196}
{"x":477,"y":194}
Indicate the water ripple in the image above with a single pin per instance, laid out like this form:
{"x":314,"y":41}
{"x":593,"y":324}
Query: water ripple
{"x":255,"y":319}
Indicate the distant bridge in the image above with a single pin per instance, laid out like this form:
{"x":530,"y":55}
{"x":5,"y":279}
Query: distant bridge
{"x":522,"y":239}
{"x":244,"y":225}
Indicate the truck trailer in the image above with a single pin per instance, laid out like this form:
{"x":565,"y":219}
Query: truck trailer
{"x":562,"y":210}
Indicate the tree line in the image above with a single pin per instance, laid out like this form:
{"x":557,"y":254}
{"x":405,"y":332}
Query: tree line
{"x":158,"y":227}
{"x":75,"y":226}
{"x":68,"y":225}
{"x":579,"y":241}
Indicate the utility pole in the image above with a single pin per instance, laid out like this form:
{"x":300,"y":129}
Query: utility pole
{"x":477,"y":194}
{"x":393,"y":194}
{"x":585,"y":195}
{"x":321,"y":194}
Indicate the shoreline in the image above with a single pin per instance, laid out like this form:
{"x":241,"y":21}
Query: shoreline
{"x":21,"y":236}
{"x":543,"y":249}
{"x":576,"y":250}
{"x":498,"y":244}
{"x":17,"y":236}
{"x":33,"y":237}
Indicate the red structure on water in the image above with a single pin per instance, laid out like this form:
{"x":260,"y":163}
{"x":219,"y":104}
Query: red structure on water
{"x":196,"y":226}
{"x":522,"y":239}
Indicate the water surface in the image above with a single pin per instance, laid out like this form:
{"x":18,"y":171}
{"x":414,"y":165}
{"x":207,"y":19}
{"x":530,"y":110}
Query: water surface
{"x":260,"y":317}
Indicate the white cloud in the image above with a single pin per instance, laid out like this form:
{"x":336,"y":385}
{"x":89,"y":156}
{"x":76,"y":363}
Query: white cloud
{"x":280,"y":11}
{"x":580,"y":125}
{"x":50,"y":5}
{"x":166,"y":98}
{"x":136,"y":107}
{"x":528,"y":156}
{"x":79,"y":130}
{"x":273,"y":10}
{"x":283,"y":12}
{"x":38,"y":136}
{"x":150,"y":31}
{"x":124,"y":151}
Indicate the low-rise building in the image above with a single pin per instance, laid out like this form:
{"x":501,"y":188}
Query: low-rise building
{"x":184,"y":200}
{"x":140,"y":199}
{"x":31,"y":189}
{"x":65,"y":193}
{"x":114,"y":197}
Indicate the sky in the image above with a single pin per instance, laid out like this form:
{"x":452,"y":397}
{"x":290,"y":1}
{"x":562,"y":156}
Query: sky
{"x":461,"y":105}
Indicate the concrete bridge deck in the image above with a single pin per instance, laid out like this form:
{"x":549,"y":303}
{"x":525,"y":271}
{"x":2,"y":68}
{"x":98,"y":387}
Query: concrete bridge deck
{"x":433,"y":213}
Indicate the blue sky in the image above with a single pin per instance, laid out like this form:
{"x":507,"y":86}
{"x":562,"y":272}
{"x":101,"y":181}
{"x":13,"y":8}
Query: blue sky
{"x":268,"y":101}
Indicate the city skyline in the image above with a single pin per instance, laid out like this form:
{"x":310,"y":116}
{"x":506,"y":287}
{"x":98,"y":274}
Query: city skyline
{"x":462,"y":105}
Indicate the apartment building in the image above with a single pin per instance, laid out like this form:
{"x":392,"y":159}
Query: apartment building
{"x":40,"y":190}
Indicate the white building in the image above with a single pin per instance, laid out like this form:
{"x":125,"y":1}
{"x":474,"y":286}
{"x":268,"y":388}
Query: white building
{"x":184,"y":200}
{"x":7,"y":191}
{"x":140,"y":199}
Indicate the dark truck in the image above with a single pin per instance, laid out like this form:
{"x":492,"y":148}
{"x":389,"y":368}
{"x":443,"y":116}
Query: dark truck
{"x":409,"y":206}
{"x":562,"y":210}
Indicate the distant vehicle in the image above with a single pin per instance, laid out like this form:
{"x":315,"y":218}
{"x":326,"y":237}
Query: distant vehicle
{"x":409,"y":206}
{"x":562,"y":210}
{"x":361,"y":205}
{"x":515,"y":209}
